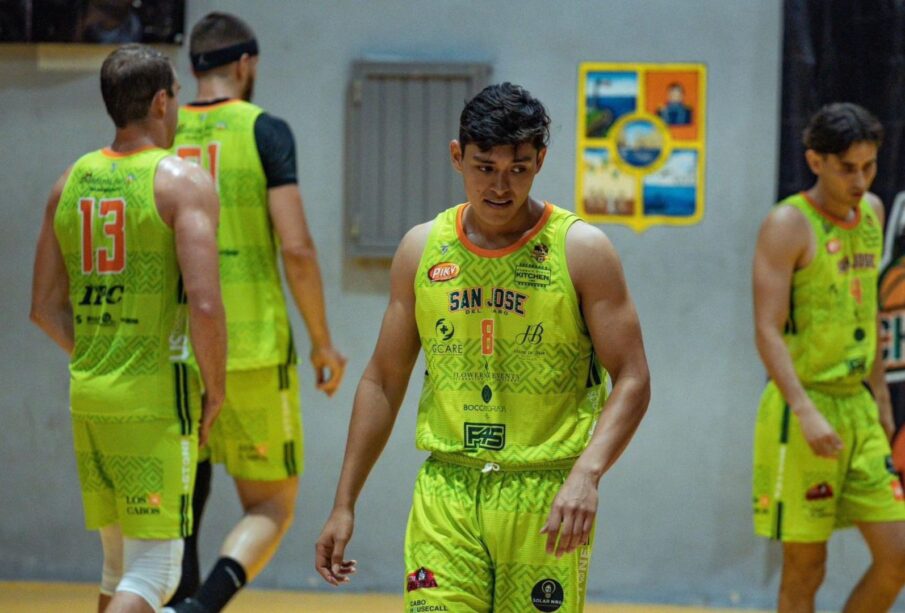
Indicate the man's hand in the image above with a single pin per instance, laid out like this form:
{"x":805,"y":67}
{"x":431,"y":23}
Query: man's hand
{"x":328,"y":556}
{"x":210,"y":409}
{"x":818,"y":432}
{"x":329,"y":367}
{"x":572,"y":514}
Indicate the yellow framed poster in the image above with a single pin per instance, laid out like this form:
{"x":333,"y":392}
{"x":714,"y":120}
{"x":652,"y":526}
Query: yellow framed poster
{"x":641,"y":136}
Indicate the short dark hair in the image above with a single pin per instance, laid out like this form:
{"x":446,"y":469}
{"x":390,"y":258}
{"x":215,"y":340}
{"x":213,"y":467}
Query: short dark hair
{"x":130,"y":78}
{"x":218,"y":30}
{"x":837,"y":126}
{"x":504,"y":114}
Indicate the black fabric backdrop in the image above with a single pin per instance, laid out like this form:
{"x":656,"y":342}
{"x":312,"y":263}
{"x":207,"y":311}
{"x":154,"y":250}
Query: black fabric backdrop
{"x":845,"y":51}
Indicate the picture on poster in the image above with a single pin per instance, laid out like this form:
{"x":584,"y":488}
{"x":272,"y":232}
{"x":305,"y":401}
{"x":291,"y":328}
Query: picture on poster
{"x":641,"y":144}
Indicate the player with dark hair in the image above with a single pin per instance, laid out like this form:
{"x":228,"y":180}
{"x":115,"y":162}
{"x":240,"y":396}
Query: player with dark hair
{"x":126,"y":268}
{"x":251,"y":156}
{"x":822,"y":457}
{"x":516,"y":304}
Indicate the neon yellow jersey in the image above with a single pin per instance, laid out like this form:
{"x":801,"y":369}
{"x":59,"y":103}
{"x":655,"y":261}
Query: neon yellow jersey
{"x":832,"y":328}
{"x":129,"y":306}
{"x":511,"y":373}
{"x":221,"y":137}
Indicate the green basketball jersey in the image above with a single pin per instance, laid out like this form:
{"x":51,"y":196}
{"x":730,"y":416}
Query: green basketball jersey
{"x":221,"y":138}
{"x":832,"y":328}
{"x":511,"y":373}
{"x":129,"y":306}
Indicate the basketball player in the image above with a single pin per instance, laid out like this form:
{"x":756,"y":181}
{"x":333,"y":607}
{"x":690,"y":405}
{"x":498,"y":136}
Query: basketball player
{"x":821,"y":457}
{"x":516,"y":304}
{"x":251,"y":156}
{"x":126,"y":261}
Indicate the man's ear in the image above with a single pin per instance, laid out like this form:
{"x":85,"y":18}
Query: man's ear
{"x":159,"y":102}
{"x":541,"y":155}
{"x":815,"y":161}
{"x":455,"y":154}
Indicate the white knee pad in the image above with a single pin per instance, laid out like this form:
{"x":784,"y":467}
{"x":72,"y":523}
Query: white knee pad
{"x":152,"y":569}
{"x":112,"y":542}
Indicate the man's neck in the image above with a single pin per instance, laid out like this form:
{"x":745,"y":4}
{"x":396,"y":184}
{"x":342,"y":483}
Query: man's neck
{"x":134,"y":138}
{"x":216,"y":88}
{"x":840,"y":210}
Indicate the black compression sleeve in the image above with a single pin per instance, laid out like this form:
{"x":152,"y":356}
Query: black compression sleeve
{"x":276,"y":147}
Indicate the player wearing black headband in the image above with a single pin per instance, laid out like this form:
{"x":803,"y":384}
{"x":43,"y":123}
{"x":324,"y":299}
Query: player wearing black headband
{"x":251,"y":156}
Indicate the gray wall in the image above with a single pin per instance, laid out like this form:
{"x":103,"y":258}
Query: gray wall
{"x":675,"y":514}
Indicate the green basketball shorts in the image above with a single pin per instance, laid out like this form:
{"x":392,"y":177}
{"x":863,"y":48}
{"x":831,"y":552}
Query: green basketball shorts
{"x":139,"y":474}
{"x":473,"y":543}
{"x":801,"y":497}
{"x":258,"y":434}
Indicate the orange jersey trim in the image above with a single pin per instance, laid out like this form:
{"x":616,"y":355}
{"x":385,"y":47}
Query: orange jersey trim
{"x":203,"y":108}
{"x":110,"y":153}
{"x":498,"y":253}
{"x":845,"y":225}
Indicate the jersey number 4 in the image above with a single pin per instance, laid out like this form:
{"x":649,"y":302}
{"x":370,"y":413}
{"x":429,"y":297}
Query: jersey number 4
{"x":192,"y":153}
{"x":102,"y":259}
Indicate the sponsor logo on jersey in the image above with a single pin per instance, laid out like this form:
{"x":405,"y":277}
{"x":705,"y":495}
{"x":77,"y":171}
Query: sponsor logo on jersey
{"x":444,"y":271}
{"x":533,"y":335}
{"x":485,"y":436}
{"x":833,"y":246}
{"x":97,"y":295}
{"x":444,"y":345}
{"x":529,"y":274}
{"x":500,"y":299}
{"x":860,"y":261}
{"x":761,"y":504}
{"x":547,"y":595}
{"x":821,"y":491}
{"x":154,"y":499}
{"x":444,"y":329}
{"x":897,"y":492}
{"x":421,"y":579}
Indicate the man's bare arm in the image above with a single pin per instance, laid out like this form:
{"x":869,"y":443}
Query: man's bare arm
{"x":50,"y":307}
{"x":616,"y":336}
{"x":377,"y":401}
{"x":783,"y":246}
{"x":304,"y":278}
{"x":188,"y":203}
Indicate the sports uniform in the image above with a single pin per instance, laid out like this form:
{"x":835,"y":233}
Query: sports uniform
{"x":135,"y":397}
{"x":258,"y":434}
{"x":831,"y":335}
{"x":510,"y":398}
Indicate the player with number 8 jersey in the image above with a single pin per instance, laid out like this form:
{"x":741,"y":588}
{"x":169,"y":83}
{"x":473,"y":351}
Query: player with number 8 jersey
{"x":511,"y":373}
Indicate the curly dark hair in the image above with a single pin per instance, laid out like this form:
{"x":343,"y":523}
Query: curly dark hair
{"x":837,"y":126}
{"x":504,"y":114}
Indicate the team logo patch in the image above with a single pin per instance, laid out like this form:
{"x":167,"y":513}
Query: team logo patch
{"x":547,"y":595}
{"x":422,"y":578}
{"x":821,"y":491}
{"x":833,"y":246}
{"x":540,"y":252}
{"x":444,"y":271}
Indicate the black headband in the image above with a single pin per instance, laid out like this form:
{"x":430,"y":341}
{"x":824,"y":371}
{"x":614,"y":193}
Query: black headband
{"x":221,"y":57}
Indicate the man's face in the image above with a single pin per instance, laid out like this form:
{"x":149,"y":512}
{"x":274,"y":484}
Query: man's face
{"x":497,"y":181}
{"x":675,"y":95}
{"x":846,"y":176}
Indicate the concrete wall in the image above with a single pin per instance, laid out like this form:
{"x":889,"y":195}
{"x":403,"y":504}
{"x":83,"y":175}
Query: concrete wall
{"x":675,"y":514}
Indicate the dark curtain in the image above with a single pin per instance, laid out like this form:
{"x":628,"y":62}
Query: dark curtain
{"x":845,"y":51}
